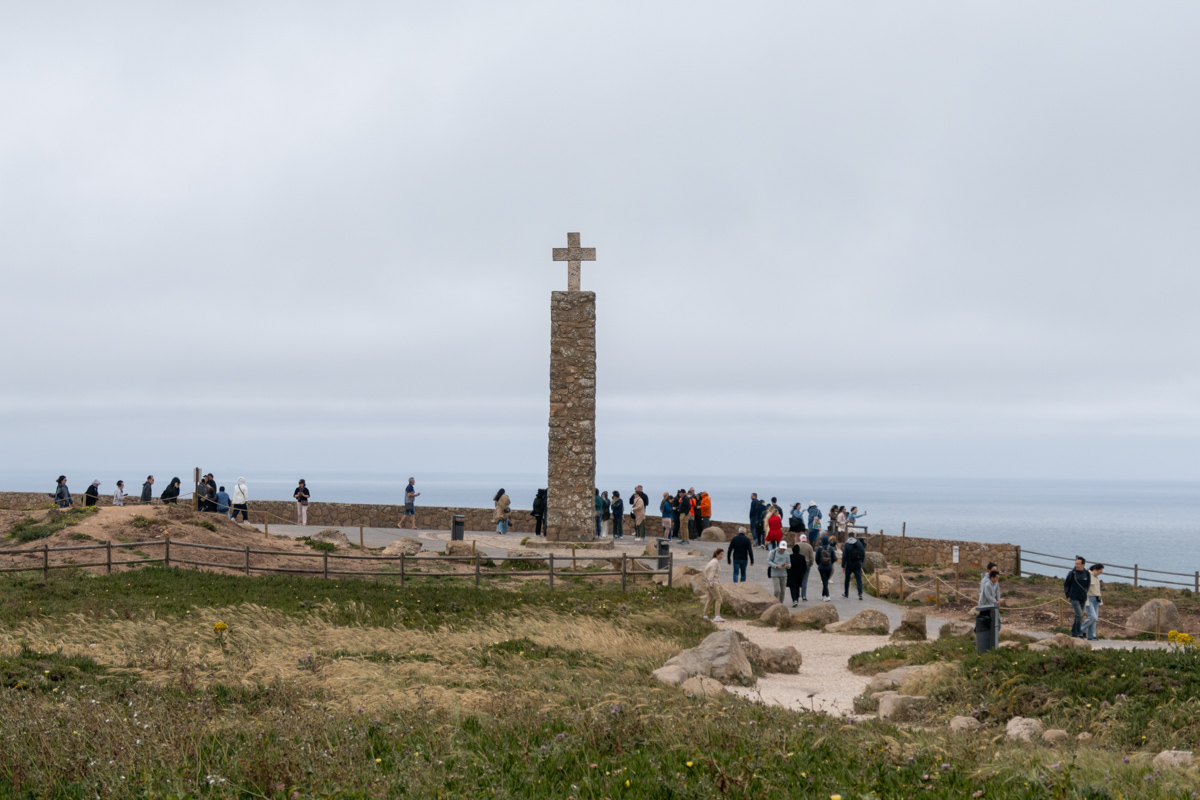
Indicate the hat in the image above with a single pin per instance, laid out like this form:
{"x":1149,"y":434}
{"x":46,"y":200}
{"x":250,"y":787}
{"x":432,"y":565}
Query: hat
{"x":812,"y":502}
{"x":803,"y":538}
{"x":95,"y":483}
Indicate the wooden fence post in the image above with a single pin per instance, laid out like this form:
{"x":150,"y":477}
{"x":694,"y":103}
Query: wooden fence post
{"x":476,"y":570}
{"x":1135,"y":576}
{"x":325,"y":565}
{"x":903,"y":529}
{"x":1197,"y":581}
{"x":670,"y":568}
{"x":247,"y":560}
{"x":108,"y":558}
{"x":45,"y":562}
{"x":266,"y":526}
{"x":622,"y":572}
{"x":552,"y":570}
{"x":1157,"y":621}
{"x":901,"y":587}
{"x":361,"y":546}
{"x":881,"y":550}
{"x":937,"y":589}
{"x":1060,"y":612}
{"x":956,"y":581}
{"x":167,"y":552}
{"x":402,"y":569}
{"x":1018,"y":569}
{"x":573,"y":566}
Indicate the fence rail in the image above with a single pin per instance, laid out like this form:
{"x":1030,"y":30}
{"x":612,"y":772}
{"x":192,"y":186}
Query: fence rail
{"x":1133,"y":572}
{"x":247,"y":567}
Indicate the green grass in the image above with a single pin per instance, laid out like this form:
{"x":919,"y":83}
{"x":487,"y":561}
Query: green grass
{"x":48,"y":672}
{"x":27,"y":529}
{"x":207,"y":524}
{"x":324,"y":547}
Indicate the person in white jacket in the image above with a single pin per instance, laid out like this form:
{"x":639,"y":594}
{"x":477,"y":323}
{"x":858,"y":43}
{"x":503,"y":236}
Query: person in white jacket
{"x":712,"y":581}
{"x":241,"y":496}
{"x":119,"y":494}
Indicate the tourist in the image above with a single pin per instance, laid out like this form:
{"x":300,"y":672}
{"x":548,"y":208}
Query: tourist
{"x":91,"y":495}
{"x":210,"y":493}
{"x":410,"y":504}
{"x":605,"y":515}
{"x":502,"y":513}
{"x":825,"y":557}
{"x":693,"y":516}
{"x":756,"y":510}
{"x":222,"y":502}
{"x":814,"y":521}
{"x":853,"y":517}
{"x":778,"y":561}
{"x":301,"y":496}
{"x":171,"y":493}
{"x":704,"y":508}
{"x":842,"y":532}
{"x":1075,"y":587}
{"x":989,"y":592}
{"x":617,"y":510}
{"x":637,"y":508}
{"x":683,"y":508}
{"x":667,"y":509}
{"x":712,"y":581}
{"x":147,"y":489}
{"x":741,"y":552}
{"x":599,"y":512}
{"x":796,"y":521}
{"x":983,"y":578}
{"x":809,"y":557}
{"x":853,"y":556}
{"x":797,"y":571}
{"x":774,"y":528}
{"x":539,"y":512}
{"x":119,"y":494}
{"x":62,"y":495}
{"x":241,"y":497}
{"x":1094,"y":602}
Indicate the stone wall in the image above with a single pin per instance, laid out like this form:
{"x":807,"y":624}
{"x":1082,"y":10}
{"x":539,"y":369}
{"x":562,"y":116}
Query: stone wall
{"x":571,"y":474}
{"x":938,"y":553}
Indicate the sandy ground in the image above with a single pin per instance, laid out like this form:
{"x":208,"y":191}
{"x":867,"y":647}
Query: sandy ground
{"x":824,"y":682}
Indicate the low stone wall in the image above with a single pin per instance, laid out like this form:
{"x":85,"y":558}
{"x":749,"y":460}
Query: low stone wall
{"x":938,"y":552}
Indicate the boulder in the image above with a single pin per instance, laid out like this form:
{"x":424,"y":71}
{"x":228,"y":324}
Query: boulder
{"x":1054,"y":735}
{"x":679,"y":576}
{"x":1174,"y":758}
{"x":673,"y":674}
{"x":964,"y":724}
{"x":651,"y":548}
{"x":746,"y":599}
{"x":775,"y":614}
{"x":528,"y":556}
{"x":1023,"y":729}
{"x":719,"y":656}
{"x":887,"y":584}
{"x":713,"y":534}
{"x":1142,"y":620}
{"x":874,"y":563}
{"x":1066,"y":642}
{"x":701,"y":686}
{"x":1084,"y":737}
{"x":957,"y":627}
{"x":1010,"y":644}
{"x":893,"y":705}
{"x":406,"y":546}
{"x":817,"y":616}
{"x":785,"y":659}
{"x":332,"y":536}
{"x":1039,"y":647}
{"x":458,"y":549}
{"x":912,"y":626}
{"x":867,"y":621}
{"x":890,"y":679}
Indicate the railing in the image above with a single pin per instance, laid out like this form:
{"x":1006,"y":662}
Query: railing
{"x":247,"y":567}
{"x":1135,"y":573}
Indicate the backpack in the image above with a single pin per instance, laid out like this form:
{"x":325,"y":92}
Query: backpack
{"x":824,"y":557}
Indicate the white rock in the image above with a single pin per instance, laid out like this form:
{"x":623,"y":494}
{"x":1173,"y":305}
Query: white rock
{"x":1174,"y":758}
{"x":964,"y":724}
{"x":702,"y":687}
{"x":1023,"y":729}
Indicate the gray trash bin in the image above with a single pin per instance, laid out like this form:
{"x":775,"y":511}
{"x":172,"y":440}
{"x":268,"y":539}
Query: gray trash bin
{"x":664,"y":553}
{"x":987,"y":629}
{"x":458,"y":526}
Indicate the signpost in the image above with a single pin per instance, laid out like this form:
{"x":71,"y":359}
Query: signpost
{"x":954,"y":552}
{"x":195,"y":489}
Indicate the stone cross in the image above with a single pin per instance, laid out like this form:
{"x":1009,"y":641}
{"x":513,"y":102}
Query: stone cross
{"x":573,"y":254}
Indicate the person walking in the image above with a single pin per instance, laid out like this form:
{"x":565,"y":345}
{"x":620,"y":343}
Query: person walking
{"x":502,"y":513}
{"x":809,"y":557}
{"x":171,"y":493}
{"x":797,"y":572}
{"x":667,"y":509}
{"x":1075,"y":587}
{"x":539,"y":511}
{"x":853,"y":555}
{"x":712,"y":583}
{"x":62,"y":495}
{"x":983,"y":578}
{"x":241,"y":498}
{"x":222,"y":501}
{"x":637,"y":509}
{"x":778,"y":561}
{"x":147,"y":489}
{"x":301,"y":496}
{"x":410,"y":504}
{"x":119,"y":494}
{"x":741,"y":552}
{"x":825,"y":557}
{"x":1094,"y":602}
{"x":774,"y":529}
{"x":91,"y":495}
{"x":989,"y":590}
{"x":617,"y":510}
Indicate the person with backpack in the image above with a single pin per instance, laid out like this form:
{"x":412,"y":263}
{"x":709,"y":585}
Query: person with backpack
{"x":825,"y":557}
{"x":741,"y":552}
{"x":853,"y":556}
{"x":778,"y":561}
{"x":814,"y":522}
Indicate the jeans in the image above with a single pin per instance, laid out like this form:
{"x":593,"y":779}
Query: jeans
{"x":704,"y":523}
{"x":826,"y":573}
{"x":618,"y":527}
{"x":739,"y":569}
{"x":856,"y":571}
{"x":1077,"y":623}
{"x":1093,"y":617}
{"x":502,"y":526}
{"x":537,"y":525}
{"x":803,"y":584}
{"x":780,"y":585}
{"x":597,"y":526}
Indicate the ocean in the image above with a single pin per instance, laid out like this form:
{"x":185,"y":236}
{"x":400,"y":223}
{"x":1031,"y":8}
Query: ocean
{"x":1153,"y":524}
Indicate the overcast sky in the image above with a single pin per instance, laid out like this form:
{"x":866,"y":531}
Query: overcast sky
{"x":880,"y":239}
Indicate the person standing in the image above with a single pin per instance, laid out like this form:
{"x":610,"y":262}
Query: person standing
{"x":741,"y":552}
{"x":645,"y":497}
{"x":171,"y":493}
{"x":502,"y":513}
{"x":853,"y":517}
{"x":301,"y":496}
{"x":989,"y":590}
{"x":605,"y":515}
{"x":797,"y":571}
{"x":210,"y":493}
{"x":241,"y":497}
{"x":599,"y":512}
{"x":667,"y":509}
{"x":62,"y":495}
{"x":684,"y":506}
{"x":637,"y":508}
{"x":704,"y":508}
{"x":774,"y":529}
{"x":1075,"y":587}
{"x":825,"y":557}
{"x":1094,"y":602}
{"x":796,"y":521}
{"x":119,"y":494}
{"x":778,"y":561}
{"x":809,"y":557}
{"x":147,"y":489}
{"x":617,"y":510}
{"x":222,"y":502}
{"x":842,"y":531}
{"x":539,"y":511}
{"x":814,"y":521}
{"x":853,"y":555}
{"x":91,"y":495}
{"x":756,"y":509}
{"x":712,"y":583}
{"x":410,"y":504}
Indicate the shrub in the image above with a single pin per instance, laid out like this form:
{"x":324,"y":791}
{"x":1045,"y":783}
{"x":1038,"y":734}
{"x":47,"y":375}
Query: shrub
{"x":202,"y":523}
{"x":27,"y":529}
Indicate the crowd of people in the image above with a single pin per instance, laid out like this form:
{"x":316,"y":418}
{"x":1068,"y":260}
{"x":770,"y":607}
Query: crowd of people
{"x":209,"y":497}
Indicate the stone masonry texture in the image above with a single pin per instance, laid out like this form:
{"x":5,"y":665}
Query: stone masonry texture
{"x":570,"y":500}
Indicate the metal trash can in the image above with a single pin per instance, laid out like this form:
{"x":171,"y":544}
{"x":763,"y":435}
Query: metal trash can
{"x":458,"y":527}
{"x":664,"y":553}
{"x":987,"y":629}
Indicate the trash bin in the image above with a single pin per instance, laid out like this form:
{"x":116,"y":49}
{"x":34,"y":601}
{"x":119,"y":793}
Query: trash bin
{"x":664,"y":553}
{"x":458,"y":527}
{"x":987,"y":629}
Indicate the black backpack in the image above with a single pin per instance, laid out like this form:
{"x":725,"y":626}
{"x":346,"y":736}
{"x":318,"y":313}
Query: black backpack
{"x":824,"y":557}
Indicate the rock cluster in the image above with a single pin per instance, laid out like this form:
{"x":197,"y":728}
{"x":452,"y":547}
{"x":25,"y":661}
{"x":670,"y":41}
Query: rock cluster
{"x":331,"y":536}
{"x":912,"y":626}
{"x":1061,"y":641}
{"x":774,"y":659}
{"x":746,"y":599}
{"x":407,"y":546}
{"x":867,"y":621}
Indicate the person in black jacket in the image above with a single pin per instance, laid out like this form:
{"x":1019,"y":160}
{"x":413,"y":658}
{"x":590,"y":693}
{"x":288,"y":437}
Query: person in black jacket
{"x":92,"y":494}
{"x":171,"y":493}
{"x":854,"y":553}
{"x":796,"y":572}
{"x":617,"y":509}
{"x":539,"y":511}
{"x":741,"y":552}
{"x":1075,"y":587}
{"x":147,"y":487}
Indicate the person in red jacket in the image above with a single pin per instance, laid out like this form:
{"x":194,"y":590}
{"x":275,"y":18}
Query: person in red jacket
{"x":774,"y":528}
{"x":705,"y":511}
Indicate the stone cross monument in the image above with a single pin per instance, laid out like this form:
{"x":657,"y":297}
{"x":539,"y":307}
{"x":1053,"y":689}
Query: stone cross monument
{"x":570,"y":499}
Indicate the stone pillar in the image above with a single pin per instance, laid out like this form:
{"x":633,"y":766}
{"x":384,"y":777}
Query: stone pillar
{"x":570,"y":499}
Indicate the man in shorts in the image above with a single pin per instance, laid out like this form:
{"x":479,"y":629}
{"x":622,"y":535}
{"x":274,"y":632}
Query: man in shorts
{"x":410,"y":504}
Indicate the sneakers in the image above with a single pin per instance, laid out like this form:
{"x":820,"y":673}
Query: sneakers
{"x":860,"y":597}
{"x":718,"y":619}
{"x":796,"y":605}
{"x":704,"y":616}
{"x":846,"y":596}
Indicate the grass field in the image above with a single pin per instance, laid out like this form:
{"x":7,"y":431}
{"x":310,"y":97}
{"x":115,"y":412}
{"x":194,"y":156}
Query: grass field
{"x":127,"y":686}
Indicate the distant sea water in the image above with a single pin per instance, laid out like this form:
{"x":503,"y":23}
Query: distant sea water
{"x":1153,"y":524}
